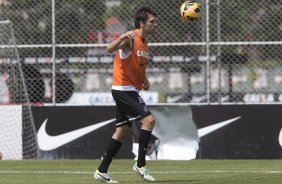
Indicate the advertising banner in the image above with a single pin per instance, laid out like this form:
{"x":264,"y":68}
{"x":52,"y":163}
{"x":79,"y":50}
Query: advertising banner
{"x":253,"y":135}
{"x":180,"y":133}
{"x":76,"y":132}
{"x":11,"y":132}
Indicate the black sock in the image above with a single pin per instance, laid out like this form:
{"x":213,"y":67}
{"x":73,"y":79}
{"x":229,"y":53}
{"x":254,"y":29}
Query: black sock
{"x":111,"y":152}
{"x":144,"y":138}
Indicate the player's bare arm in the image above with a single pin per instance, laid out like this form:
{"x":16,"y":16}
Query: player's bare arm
{"x":146,"y":84}
{"x":124,"y":42}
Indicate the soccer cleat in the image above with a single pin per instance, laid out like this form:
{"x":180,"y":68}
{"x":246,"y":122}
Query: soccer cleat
{"x":144,"y":172}
{"x":103,"y":177}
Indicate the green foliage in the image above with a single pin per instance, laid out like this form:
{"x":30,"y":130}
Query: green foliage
{"x":272,"y":20}
{"x":170,"y":27}
{"x":25,"y":15}
{"x":239,"y":21}
{"x":74,"y":19}
{"x":247,"y":21}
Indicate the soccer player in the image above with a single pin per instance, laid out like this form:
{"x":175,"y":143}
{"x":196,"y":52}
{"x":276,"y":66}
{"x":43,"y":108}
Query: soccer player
{"x":129,"y":77}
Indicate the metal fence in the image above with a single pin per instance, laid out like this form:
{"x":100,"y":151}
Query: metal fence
{"x":231,"y":55}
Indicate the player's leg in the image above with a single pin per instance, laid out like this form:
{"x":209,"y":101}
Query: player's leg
{"x":113,"y":147}
{"x":140,"y":166}
{"x":120,"y":134}
{"x":144,"y":138}
{"x":152,"y":148}
{"x":134,"y":108}
{"x":139,"y":109}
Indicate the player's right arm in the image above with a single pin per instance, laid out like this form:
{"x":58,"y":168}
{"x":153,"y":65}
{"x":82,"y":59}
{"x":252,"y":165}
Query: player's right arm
{"x":124,"y":42}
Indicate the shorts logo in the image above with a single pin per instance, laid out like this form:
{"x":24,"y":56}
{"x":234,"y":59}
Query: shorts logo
{"x":141,"y":101}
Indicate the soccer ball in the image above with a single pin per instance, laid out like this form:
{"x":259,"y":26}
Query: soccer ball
{"x":190,"y":11}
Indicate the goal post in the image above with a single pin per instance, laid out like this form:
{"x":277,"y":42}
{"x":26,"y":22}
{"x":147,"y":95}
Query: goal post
{"x":18,"y":138}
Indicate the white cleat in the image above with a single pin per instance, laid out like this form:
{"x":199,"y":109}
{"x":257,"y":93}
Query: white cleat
{"x":103,"y":177}
{"x":144,"y":172}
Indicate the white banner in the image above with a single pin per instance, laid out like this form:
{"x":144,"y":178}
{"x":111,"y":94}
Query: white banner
{"x":101,"y":98}
{"x":176,"y":132}
{"x":11,"y":132}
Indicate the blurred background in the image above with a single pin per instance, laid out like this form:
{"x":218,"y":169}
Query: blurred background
{"x":231,"y":55}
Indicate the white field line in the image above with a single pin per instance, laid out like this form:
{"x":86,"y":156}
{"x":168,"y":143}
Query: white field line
{"x":155,"y":172}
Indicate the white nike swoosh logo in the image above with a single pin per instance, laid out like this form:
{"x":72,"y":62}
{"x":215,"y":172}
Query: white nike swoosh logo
{"x":174,"y":99}
{"x":224,"y":98}
{"x":198,"y":99}
{"x":280,"y":137}
{"x":206,"y":130}
{"x":47,"y":142}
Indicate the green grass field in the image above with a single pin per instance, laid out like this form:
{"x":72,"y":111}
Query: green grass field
{"x":165,"y":172}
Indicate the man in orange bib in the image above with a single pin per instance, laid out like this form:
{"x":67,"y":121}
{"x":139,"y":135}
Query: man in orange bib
{"x":130,"y":63}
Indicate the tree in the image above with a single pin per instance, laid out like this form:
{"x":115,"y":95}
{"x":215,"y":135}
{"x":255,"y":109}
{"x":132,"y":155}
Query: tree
{"x":272,"y":31}
{"x":170,"y":27}
{"x":74,"y":19}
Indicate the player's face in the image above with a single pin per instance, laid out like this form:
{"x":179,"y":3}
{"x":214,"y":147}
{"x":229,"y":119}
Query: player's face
{"x":150,"y":24}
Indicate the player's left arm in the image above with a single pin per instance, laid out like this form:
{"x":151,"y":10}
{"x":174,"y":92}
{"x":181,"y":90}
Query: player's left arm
{"x":124,"y":42}
{"x":146,"y":83}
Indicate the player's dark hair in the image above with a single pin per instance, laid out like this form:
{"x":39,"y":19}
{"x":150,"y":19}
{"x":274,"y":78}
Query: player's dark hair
{"x":142,"y":15}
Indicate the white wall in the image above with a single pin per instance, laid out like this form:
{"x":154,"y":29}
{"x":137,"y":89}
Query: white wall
{"x":11,"y":132}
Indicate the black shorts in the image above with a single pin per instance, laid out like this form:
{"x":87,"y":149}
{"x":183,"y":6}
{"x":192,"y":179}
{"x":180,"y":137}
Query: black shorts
{"x":129,"y":107}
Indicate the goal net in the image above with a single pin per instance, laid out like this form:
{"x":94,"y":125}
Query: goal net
{"x":17,"y":131}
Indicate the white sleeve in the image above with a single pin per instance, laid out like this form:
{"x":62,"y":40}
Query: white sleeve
{"x":123,"y":55}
